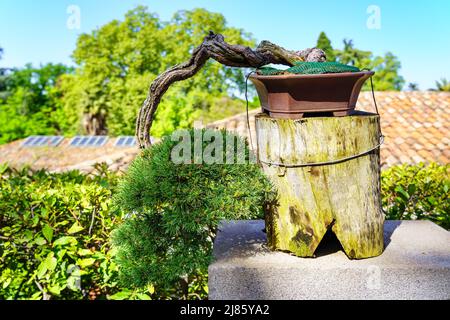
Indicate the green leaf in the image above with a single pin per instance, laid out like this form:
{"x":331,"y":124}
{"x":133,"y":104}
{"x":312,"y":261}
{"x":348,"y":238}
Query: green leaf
{"x":85,"y":262}
{"x":55,"y":290}
{"x":432,"y":200}
{"x":65,"y":240}
{"x":41,"y":270}
{"x":412,"y":189}
{"x":76,"y":227}
{"x":40,"y":241}
{"x":51,"y":261}
{"x":143,"y":296}
{"x":3,"y":167}
{"x":36,"y":296}
{"x":44,"y":213}
{"x":122,"y":295}
{"x":104,"y":206}
{"x":84,"y":252}
{"x":35,"y":221}
{"x":27,"y":236}
{"x":49,"y":264}
{"x":60,"y":254}
{"x":6,"y":283}
{"x":47,"y":231}
{"x":62,"y":223}
{"x":151,"y":289}
{"x":400,"y":191}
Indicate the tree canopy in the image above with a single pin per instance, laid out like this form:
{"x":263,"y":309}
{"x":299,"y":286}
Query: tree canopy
{"x":117,"y":62}
{"x":442,"y":85}
{"x":386,"y":67}
{"x":29,"y":101}
{"x":3,"y":80}
{"x":325,"y":44}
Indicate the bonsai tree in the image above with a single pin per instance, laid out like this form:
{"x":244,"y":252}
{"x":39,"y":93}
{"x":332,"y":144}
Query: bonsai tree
{"x":174,"y":209}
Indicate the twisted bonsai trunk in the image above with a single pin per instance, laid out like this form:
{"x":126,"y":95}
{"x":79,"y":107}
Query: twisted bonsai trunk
{"x":215,"y":47}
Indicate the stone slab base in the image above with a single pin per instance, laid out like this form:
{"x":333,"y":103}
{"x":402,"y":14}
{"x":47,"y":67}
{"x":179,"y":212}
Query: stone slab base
{"x":414,"y":265}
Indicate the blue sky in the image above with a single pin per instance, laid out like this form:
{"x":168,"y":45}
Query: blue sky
{"x":418,"y":31}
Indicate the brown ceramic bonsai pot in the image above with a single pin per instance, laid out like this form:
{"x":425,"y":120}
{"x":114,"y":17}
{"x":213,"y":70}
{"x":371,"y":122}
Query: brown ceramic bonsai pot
{"x":293,"y":95}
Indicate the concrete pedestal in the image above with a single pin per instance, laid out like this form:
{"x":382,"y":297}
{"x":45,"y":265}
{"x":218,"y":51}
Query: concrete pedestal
{"x":414,"y":265}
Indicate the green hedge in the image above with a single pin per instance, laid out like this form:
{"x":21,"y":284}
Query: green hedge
{"x":417,"y":192}
{"x":55,"y":228}
{"x":54,"y":231}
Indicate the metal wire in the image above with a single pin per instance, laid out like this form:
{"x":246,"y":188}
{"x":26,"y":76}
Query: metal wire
{"x":246,"y":100}
{"x":373,"y":91}
{"x":373,"y":96}
{"x":311,"y":164}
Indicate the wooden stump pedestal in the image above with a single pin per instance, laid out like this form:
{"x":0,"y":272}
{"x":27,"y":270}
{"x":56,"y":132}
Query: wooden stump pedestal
{"x":315,"y":195}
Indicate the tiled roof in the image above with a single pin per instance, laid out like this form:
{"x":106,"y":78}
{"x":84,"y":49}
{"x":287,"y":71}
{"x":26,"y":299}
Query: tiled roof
{"x":416,"y":125}
{"x":65,"y":157}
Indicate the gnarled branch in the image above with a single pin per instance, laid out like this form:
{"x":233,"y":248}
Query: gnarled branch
{"x":215,"y":47}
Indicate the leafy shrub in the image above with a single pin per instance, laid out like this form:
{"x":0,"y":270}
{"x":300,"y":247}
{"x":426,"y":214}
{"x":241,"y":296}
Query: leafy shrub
{"x":54,"y":231}
{"x":417,"y":192}
{"x":175,"y":210}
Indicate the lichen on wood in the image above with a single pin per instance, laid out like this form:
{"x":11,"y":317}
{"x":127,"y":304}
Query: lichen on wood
{"x":343,"y":196}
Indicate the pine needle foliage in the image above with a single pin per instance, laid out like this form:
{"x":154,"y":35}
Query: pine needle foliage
{"x":175,"y":209}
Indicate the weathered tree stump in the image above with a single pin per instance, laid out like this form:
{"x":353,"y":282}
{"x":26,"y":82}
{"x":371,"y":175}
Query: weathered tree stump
{"x":343,"y":195}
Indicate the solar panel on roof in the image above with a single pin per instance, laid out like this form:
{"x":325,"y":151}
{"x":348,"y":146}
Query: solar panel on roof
{"x":131,"y":141}
{"x":91,"y":141}
{"x":120,"y":141}
{"x":41,"y":141}
{"x":83,"y":141}
{"x":101,"y":140}
{"x":55,"y":140}
{"x":125,"y":141}
{"x":88,"y":141}
{"x":75,"y":141}
{"x":29,"y":141}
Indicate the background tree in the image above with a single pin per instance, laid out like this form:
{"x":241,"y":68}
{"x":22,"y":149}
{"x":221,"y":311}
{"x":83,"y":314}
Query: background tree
{"x":325,"y":44}
{"x":442,"y":85}
{"x":31,"y":101}
{"x":117,"y":62}
{"x":352,"y":56}
{"x":386,"y":68}
{"x":3,"y":81}
{"x":413,"y":86}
